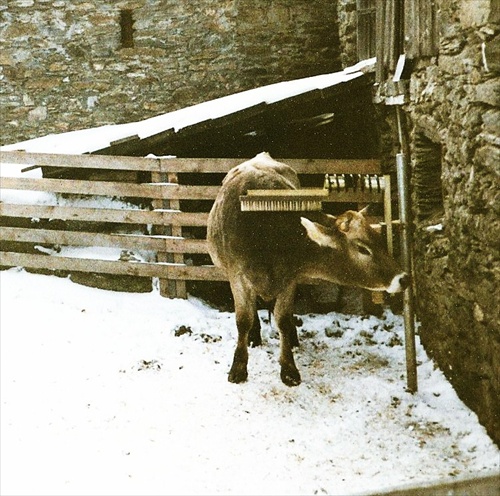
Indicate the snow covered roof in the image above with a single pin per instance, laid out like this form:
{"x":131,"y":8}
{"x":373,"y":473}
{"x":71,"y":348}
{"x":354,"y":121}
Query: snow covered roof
{"x":102,"y":139}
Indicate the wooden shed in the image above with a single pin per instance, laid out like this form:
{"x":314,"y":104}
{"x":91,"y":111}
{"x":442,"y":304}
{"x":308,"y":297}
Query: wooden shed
{"x":166,"y":171}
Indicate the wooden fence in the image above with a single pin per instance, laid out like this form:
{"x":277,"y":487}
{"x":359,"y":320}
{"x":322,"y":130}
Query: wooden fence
{"x":166,"y":222}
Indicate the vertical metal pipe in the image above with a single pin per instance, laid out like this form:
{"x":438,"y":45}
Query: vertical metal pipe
{"x":388,"y":212}
{"x":409,"y":313}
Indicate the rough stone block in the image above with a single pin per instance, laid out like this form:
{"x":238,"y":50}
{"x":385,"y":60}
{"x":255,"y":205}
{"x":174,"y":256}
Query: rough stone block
{"x":488,"y":92}
{"x":38,"y":114}
{"x":491,"y":55}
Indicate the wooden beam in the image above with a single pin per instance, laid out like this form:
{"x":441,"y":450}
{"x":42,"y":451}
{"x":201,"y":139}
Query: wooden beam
{"x":113,"y":189}
{"x":334,"y":166}
{"x":125,"y":216}
{"x":80,"y":161}
{"x":171,"y":244}
{"x":140,"y":269}
{"x":184,"y":165}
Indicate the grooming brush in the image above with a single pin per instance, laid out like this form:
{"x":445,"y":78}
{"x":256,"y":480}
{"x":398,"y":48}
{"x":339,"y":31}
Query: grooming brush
{"x":310,"y":199}
{"x":284,"y":200}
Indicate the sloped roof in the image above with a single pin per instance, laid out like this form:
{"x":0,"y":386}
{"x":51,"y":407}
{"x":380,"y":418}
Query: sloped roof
{"x":160,"y":134}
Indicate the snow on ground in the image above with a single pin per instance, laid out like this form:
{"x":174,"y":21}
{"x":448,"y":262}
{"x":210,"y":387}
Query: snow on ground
{"x":99,"y":396}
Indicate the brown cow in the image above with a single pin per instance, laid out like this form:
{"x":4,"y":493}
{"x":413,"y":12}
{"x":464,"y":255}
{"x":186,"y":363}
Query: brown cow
{"x":267,"y":254}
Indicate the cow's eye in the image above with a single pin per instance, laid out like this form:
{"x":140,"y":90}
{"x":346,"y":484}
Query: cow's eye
{"x":363,"y":249}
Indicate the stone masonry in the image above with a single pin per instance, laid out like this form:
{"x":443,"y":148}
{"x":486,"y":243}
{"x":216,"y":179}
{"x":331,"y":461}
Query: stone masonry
{"x":72,"y":65}
{"x":455,"y":105}
{"x":453,"y":118}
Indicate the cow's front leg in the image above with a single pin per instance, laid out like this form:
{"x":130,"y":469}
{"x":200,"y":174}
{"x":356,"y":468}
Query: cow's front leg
{"x":283,"y":312}
{"x":245,"y":303}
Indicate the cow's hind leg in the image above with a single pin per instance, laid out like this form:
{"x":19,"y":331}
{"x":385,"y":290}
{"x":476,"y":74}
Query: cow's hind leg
{"x":283,"y":312}
{"x":245,"y":303}
{"x":254,"y":337}
{"x":294,"y":338}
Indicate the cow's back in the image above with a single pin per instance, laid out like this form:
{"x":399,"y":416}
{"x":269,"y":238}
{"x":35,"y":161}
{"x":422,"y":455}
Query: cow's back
{"x":264,"y":246}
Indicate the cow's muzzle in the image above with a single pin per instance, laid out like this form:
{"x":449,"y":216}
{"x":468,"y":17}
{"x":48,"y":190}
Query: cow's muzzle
{"x":399,"y":283}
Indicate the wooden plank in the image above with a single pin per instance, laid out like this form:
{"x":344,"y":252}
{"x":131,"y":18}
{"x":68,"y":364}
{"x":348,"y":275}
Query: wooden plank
{"x":155,"y":191}
{"x":107,"y":188}
{"x":111,"y":188}
{"x":389,"y":33}
{"x":302,"y":166}
{"x":180,"y":286}
{"x":172,"y":244}
{"x":380,"y":68}
{"x":421,"y":29}
{"x":200,"y":165}
{"x":355,"y":197}
{"x":177,"y":218}
{"x":366,"y":29}
{"x":125,"y":216}
{"x":126,"y":139}
{"x":80,"y":161}
{"x":186,"y":165}
{"x":163,"y":140}
{"x":167,"y":288}
{"x":139,"y":269}
{"x":233,"y":120}
{"x":412,"y":29}
{"x":195,"y":273}
{"x":335,"y":166}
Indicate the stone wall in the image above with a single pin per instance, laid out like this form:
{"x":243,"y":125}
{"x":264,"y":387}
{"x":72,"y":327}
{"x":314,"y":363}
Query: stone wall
{"x":454,"y":130}
{"x":348,"y":24}
{"x":65,"y":65}
{"x":455,"y":112}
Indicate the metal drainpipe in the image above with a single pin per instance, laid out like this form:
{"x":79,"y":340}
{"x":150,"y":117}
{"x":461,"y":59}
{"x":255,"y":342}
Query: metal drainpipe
{"x":403,"y":180}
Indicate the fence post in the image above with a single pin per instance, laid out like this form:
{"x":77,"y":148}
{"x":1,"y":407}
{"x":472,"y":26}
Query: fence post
{"x":179,"y":286}
{"x":165,"y":286}
{"x":169,"y":288}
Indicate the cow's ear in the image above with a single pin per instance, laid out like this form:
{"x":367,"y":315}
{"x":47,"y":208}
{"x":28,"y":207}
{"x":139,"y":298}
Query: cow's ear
{"x":344,"y":221}
{"x":364,"y":211}
{"x":318,"y":233}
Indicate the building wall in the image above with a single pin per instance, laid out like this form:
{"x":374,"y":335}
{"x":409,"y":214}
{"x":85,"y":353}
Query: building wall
{"x":347,"y":19}
{"x":63,"y":66}
{"x":455,"y":111}
{"x":453,"y":117}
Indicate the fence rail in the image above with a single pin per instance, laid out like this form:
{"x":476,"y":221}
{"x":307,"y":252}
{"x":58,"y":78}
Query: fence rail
{"x":162,"y":228}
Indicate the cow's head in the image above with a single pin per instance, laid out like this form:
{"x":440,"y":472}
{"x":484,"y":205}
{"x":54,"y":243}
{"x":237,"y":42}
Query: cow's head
{"x":354,"y":253}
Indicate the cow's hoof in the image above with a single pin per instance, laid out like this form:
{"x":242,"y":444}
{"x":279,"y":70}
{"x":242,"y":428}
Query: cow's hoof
{"x":237,"y":375}
{"x":290,"y":377}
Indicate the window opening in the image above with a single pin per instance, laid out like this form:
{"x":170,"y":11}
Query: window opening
{"x":428,"y":187}
{"x":126,"y":28}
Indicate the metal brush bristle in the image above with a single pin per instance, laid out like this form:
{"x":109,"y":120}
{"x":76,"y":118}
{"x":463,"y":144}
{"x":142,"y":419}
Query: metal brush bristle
{"x":283,"y":200}
{"x":282,"y":205}
{"x":355,"y":182}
